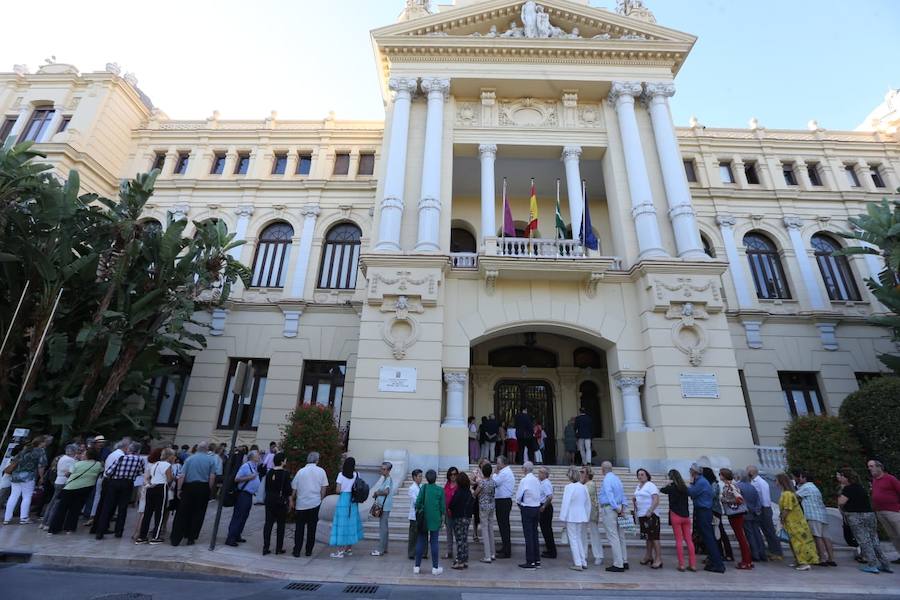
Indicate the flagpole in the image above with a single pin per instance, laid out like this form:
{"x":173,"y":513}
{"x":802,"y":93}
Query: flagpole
{"x":530,"y":229}
{"x":584,"y":217}
{"x":503,"y":227}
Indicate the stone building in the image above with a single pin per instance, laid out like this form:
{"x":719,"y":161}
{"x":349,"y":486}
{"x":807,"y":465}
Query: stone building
{"x":388,"y":284}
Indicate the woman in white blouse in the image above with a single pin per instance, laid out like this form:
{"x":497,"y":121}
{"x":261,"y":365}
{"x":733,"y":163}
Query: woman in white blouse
{"x":575,"y":513}
{"x":646,"y":503}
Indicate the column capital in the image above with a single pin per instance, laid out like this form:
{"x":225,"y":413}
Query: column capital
{"x":487,"y":150}
{"x":244,"y":210}
{"x":456,"y":377}
{"x":793,"y":222}
{"x":402,"y":85}
{"x":310,"y":211}
{"x":624,"y":90}
{"x":488,"y":96}
{"x":436,"y":85}
{"x":571,"y":153}
{"x":726,"y":221}
{"x":628,"y":380}
{"x":658,"y":90}
{"x":429,"y":202}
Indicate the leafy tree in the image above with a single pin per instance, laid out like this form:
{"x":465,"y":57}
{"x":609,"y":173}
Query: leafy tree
{"x":130,"y":295}
{"x":311,"y":428}
{"x":879,"y":228}
{"x":873,"y":415}
{"x":821,"y":445}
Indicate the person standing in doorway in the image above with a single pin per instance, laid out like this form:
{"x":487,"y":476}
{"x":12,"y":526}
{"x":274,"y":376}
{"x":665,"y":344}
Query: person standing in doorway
{"x":247,"y":482}
{"x":570,"y":441}
{"x":584,"y":433}
{"x":766,"y":522}
{"x":491,"y":437}
{"x":472,"y":430}
{"x":546,"y":513}
{"x":701,"y":493}
{"x":310,"y":486}
{"x":525,"y":434}
{"x":506,"y":483}
{"x":886,"y":502}
{"x":512,"y":445}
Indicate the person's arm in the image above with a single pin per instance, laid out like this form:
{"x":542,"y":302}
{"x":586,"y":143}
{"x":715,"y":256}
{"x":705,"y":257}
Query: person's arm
{"x":654,"y":503}
{"x":842,"y":500}
{"x":169,"y":476}
{"x":547,"y":502}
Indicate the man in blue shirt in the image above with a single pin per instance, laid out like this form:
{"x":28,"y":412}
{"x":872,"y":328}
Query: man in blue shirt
{"x":612,"y":506}
{"x":702,"y":494}
{"x":247,"y":482}
{"x":196,"y":483}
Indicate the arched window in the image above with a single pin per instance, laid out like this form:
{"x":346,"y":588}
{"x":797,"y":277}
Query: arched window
{"x":765,"y":266}
{"x":151,"y":227}
{"x":340,"y":257}
{"x":707,"y":246}
{"x":272,"y":254}
{"x":461,"y":240}
{"x":835,"y":269}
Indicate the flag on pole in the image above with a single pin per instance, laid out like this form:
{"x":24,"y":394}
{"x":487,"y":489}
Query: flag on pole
{"x":509,"y":227}
{"x":532,"y":212}
{"x":586,"y":235}
{"x":560,"y":224}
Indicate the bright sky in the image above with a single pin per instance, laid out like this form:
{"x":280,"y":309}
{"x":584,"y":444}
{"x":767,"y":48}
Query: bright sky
{"x":782,"y":61}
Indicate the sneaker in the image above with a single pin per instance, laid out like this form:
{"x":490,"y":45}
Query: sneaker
{"x":527,"y":566}
{"x":375,"y":553}
{"x":141,"y":541}
{"x":885,"y":568}
{"x":614,"y":569}
{"x":868,"y":569}
{"x":576,"y":567}
{"x":6,"y":522}
{"x":415,"y":570}
{"x":156,"y":541}
{"x":804,"y":568}
{"x":437,"y":571}
{"x":24,"y":522}
{"x":337,"y":555}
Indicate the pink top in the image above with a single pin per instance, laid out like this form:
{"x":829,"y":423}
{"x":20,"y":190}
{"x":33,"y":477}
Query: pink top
{"x":449,"y":490}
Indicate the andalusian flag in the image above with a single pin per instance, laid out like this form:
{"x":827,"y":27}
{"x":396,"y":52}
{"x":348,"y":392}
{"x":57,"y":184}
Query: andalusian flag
{"x":532,"y":212}
{"x":560,"y":224}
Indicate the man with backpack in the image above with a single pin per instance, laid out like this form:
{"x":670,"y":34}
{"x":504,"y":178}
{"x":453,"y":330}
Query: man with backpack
{"x":247,"y":482}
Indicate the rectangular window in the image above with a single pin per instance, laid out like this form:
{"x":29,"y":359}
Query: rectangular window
{"x":323,"y":384}
{"x":852,"y":179}
{"x":37,"y":125}
{"x":258,"y":373}
{"x":304,"y":164}
{"x":279,"y":164}
{"x":243,"y":164}
{"x":725,"y":172}
{"x":168,"y":391}
{"x":750,"y":173}
{"x":366,"y":164}
{"x":689,"y":171}
{"x":6,"y":129}
{"x":812,"y":169}
{"x":341,"y":163}
{"x":181,"y":164}
{"x":218,"y":164}
{"x":876,"y":176}
{"x":790,"y":178}
{"x":801,"y":393}
{"x":159,"y":160}
{"x":64,"y":124}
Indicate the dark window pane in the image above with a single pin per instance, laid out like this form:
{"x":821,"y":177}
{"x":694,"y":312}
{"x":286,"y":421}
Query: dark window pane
{"x":182,"y":163}
{"x":5,"y":130}
{"x":689,"y":171}
{"x":708,"y":247}
{"x":765,"y":267}
{"x":159,"y":159}
{"x":852,"y":179}
{"x":272,"y":256}
{"x":462,"y":241}
{"x":279,"y":164}
{"x":37,"y":125}
{"x":750,"y":173}
{"x":801,"y":393}
{"x":876,"y":177}
{"x":168,"y":391}
{"x":323,"y":384}
{"x":341,"y":164}
{"x":725,"y":172}
{"x":813,"y":171}
{"x":218,"y":165}
{"x":366,"y":164}
{"x":304,"y":164}
{"x":789,"y":177}
{"x":836,"y":272}
{"x":64,"y":124}
{"x":243,"y":163}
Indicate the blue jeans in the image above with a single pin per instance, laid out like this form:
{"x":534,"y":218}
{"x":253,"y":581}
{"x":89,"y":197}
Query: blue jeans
{"x":704,"y":521}
{"x":530,"y":518}
{"x":242,"y":505}
{"x":420,"y":547}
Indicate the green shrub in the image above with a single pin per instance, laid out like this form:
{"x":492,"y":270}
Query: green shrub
{"x":821,"y":445}
{"x":873,"y":415}
{"x":311,"y":428}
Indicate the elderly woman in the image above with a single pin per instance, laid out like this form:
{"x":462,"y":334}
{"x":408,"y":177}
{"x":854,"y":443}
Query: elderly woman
{"x":793,"y":521}
{"x":646,"y":503}
{"x":575,"y":513}
{"x":64,"y":464}
{"x":76,"y":490}
{"x":157,"y":477}
{"x":857,"y":508}
{"x":30,"y":465}
{"x":592,"y":528}
{"x":735,"y":508}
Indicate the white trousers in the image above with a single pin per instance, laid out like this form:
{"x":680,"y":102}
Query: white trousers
{"x":592,"y":537}
{"x":615,"y":536}
{"x":576,"y":534}
{"x":24,"y":491}
{"x":584,"y":447}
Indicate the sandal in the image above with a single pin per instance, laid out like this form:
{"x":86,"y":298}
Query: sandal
{"x":646,"y":561}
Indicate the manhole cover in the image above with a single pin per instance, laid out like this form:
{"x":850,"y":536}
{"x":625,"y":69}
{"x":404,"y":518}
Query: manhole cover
{"x":360,"y":589}
{"x":303,"y":587}
{"x":124,"y":596}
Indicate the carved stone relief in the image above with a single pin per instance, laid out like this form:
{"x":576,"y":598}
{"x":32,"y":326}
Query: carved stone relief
{"x":528,"y":112}
{"x":400,"y":330}
{"x":687,"y":334}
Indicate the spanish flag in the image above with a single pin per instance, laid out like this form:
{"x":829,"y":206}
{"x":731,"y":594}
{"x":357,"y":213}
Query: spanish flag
{"x":532,"y":212}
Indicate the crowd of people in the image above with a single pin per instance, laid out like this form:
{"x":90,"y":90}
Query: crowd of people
{"x":99,"y":483}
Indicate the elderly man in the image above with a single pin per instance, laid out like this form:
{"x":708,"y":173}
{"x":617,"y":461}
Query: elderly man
{"x":751,"y":517}
{"x":612,"y":506}
{"x":120,"y":477}
{"x":765,"y":519}
{"x":528,"y":497}
{"x":196,"y":483}
{"x":701,"y":493}
{"x":384,"y":488}
{"x":506,"y":483}
{"x":310,"y":486}
{"x":816,"y":515}
{"x":886,"y":502}
{"x":546,"y":513}
{"x":247,"y":482}
{"x":102,"y":486}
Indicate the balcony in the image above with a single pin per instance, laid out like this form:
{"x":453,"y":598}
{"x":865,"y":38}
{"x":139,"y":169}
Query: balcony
{"x":540,"y":248}
{"x":772,"y":459}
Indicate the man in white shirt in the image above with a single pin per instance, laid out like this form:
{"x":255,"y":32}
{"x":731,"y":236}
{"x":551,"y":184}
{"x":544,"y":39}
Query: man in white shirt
{"x":310,"y":485}
{"x":102,"y":484}
{"x":766,"y":521}
{"x":528,"y":497}
{"x":506,"y":483}
{"x":546,"y":513}
{"x":413,"y":494}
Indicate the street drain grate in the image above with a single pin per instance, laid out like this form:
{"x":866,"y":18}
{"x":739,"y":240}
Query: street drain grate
{"x":303,"y":587}
{"x":360,"y":589}
{"x":124,"y":596}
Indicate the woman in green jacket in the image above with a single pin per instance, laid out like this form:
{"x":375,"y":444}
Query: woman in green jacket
{"x":430,"y":503}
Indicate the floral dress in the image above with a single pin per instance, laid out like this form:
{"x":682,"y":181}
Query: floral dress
{"x":802,"y":542}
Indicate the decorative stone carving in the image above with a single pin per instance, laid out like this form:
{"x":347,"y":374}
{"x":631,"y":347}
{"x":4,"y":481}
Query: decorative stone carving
{"x":590,"y":116}
{"x":21,"y":70}
{"x":827,"y":334}
{"x":468,"y":114}
{"x":436,"y":85}
{"x":114,"y":68}
{"x":688,"y":335}
{"x":403,"y":283}
{"x":535,"y":25}
{"x":180,"y":211}
{"x":415,"y":9}
{"x":621,"y":89}
{"x":400,"y":331}
{"x":291,"y":323}
{"x":634,"y":9}
{"x":245,"y":210}
{"x":793,"y":222}
{"x":590,"y":286}
{"x":753,"y":334}
{"x":400,"y":84}
{"x":490,"y":281}
{"x":528,"y":112}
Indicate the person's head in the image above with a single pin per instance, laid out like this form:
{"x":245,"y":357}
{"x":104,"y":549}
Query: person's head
{"x":538,"y":423}
{"x":582,"y":410}
{"x":123,"y":444}
{"x":452,"y":474}
{"x":155,"y":455}
{"x":386,"y":468}
{"x":726,"y":474}
{"x":349,"y":467}
{"x":202,"y":447}
{"x":431,"y":476}
{"x":876,"y":468}
{"x":71,"y":449}
{"x":708,"y":474}
{"x":740,"y":475}
{"x":417,"y":476}
{"x":471,"y":420}
{"x":643,"y":475}
{"x":695,"y":471}
{"x":91,"y":454}
{"x":527,"y":467}
{"x":134,"y":448}
{"x":491,"y":416}
{"x":486,"y":469}
{"x":483,"y":420}
{"x":847,"y":476}
{"x":784,"y":482}
{"x":254,"y":447}
{"x":312,"y":458}
{"x":272,"y":446}
{"x":588,"y":472}
{"x":462,"y":480}
{"x":800,"y":476}
{"x":606,"y":467}
{"x":677,"y":480}
{"x":752,"y":471}
{"x":501,"y":461}
{"x":278,"y":459}
{"x":99,"y":442}
{"x":253,"y":456}
{"x":574,"y":474}
{"x":167,"y":455}
{"x":543,"y":473}
{"x":185,"y":448}
{"x":524,"y":410}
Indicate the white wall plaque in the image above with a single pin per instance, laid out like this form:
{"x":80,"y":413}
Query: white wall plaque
{"x":699,"y":385}
{"x":397,"y":379}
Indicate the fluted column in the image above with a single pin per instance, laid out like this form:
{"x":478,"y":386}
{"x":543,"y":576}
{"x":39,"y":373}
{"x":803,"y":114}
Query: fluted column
{"x":794,"y":225}
{"x":310,"y":213}
{"x":456,"y":398}
{"x":735,"y":264}
{"x":243,"y":212}
{"x":632,"y":416}
{"x":488,"y":154}
{"x":19,"y":125}
{"x":642,"y":210}
{"x":430,"y":201}
{"x":395,"y":167}
{"x":571,"y":157}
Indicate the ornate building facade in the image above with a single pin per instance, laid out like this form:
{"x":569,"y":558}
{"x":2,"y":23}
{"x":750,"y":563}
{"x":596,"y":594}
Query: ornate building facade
{"x":388,"y":284}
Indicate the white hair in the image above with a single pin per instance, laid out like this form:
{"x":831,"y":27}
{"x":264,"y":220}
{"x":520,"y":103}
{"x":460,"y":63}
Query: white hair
{"x":528,"y":466}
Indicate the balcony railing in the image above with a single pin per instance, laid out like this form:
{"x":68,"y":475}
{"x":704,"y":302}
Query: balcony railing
{"x":464,"y":260}
{"x":772,"y":459}
{"x":540,"y":248}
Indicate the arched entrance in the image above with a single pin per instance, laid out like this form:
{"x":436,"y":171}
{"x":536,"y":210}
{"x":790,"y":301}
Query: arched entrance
{"x":535,"y":395}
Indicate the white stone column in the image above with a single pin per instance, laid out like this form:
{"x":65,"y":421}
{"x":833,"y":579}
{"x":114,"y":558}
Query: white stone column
{"x":571,"y":157}
{"x":861,"y":168}
{"x":395,"y":167}
{"x":681,"y":211}
{"x":310,"y":213}
{"x":430,"y":201}
{"x":290,"y":169}
{"x":456,"y":397}
{"x":488,"y":153}
{"x":793,"y":225}
{"x":243,"y":212}
{"x":642,"y":210}
{"x":19,"y":125}
{"x":55,"y":120}
{"x":632,"y":417}
{"x":735,"y":264}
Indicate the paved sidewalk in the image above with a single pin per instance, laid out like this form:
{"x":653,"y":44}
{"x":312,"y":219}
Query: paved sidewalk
{"x":82,"y":550}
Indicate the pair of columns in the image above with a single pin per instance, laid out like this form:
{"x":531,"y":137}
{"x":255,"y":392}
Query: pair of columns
{"x":392,"y":202}
{"x":23,"y":118}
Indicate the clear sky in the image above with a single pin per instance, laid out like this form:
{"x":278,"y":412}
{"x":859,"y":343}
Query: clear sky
{"x":782,"y":61}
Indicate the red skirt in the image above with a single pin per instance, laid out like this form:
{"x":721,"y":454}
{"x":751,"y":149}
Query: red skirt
{"x":512,"y":445}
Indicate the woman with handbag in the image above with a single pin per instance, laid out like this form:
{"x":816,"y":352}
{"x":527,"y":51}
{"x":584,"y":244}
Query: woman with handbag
{"x":856,"y":507}
{"x":430,"y":510}
{"x":384,"y":488}
{"x":792,"y":520}
{"x":277,"y":501}
{"x":734,"y":508}
{"x":25,"y":474}
{"x":157,"y":477}
{"x":346,"y":528}
{"x":646,"y":502}
{"x":73,"y":495}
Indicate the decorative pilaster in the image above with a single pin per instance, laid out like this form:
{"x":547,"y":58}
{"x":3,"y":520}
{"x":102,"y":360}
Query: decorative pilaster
{"x":430,"y":202}
{"x":735,"y":265}
{"x":395,"y":172}
{"x":243,"y":213}
{"x":643,"y":212}
{"x":794,"y":225}
{"x":753,"y":333}
{"x":861,"y":168}
{"x":571,"y":157}
{"x":681,"y":210}
{"x":310,"y":213}
{"x":488,"y":154}
{"x":456,"y":397}
{"x":827,"y":335}
{"x":629,"y":384}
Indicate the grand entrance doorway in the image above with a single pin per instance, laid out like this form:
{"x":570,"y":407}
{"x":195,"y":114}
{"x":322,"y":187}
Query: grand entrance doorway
{"x":536,"y":396}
